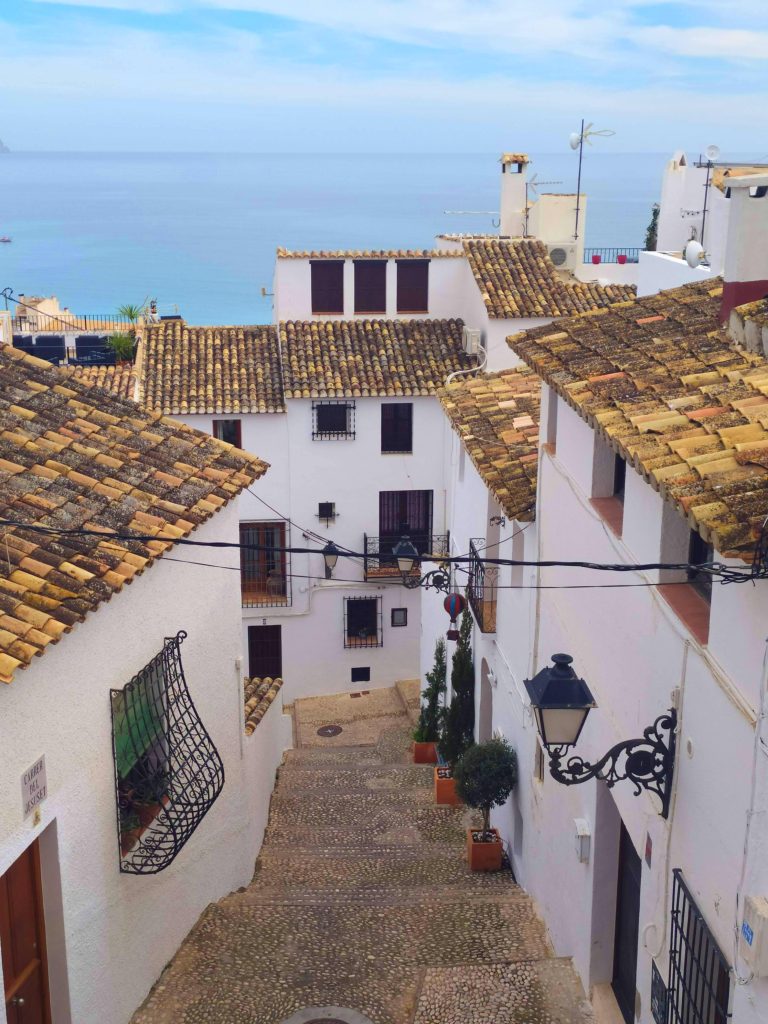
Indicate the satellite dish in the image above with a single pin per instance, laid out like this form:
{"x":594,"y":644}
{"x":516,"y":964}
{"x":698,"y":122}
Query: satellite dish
{"x":694,"y":254}
{"x":713,"y":152}
{"x":574,"y":140}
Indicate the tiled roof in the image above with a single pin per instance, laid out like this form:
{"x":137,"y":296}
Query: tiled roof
{"x":356,"y":358}
{"x":517,"y":279}
{"x":258,"y":695}
{"x":664,"y":383}
{"x":366,"y":254}
{"x":514,"y":158}
{"x":74,"y":457}
{"x":496,"y":415}
{"x":186,"y":370}
{"x":120,"y":379}
{"x":720,"y":175}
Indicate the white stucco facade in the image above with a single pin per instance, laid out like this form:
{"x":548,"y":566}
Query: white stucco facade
{"x":109,"y":934}
{"x":639,"y":658}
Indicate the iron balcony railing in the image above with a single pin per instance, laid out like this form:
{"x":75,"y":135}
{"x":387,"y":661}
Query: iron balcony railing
{"x":609,"y":254}
{"x":32,"y":322}
{"x":381,"y":563}
{"x":265,"y":573}
{"x":481,"y":589}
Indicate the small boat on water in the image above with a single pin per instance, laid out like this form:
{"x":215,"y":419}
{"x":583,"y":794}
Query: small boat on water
{"x":5,"y":238}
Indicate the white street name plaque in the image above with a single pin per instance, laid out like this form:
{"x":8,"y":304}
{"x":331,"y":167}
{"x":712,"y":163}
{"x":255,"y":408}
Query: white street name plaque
{"x":34,"y":786}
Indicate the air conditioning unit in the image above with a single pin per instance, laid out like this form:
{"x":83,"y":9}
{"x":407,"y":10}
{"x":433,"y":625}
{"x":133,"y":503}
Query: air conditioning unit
{"x":472,"y":340}
{"x":564,"y":255}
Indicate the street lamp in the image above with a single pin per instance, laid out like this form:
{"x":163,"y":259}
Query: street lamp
{"x":330,"y":557}
{"x":561,"y":702}
{"x":406,"y":555}
{"x":408,"y":558}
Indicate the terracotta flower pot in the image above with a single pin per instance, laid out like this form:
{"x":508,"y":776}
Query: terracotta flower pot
{"x":596,"y":258}
{"x":445,"y":787}
{"x":424,"y":753}
{"x":622,"y":258}
{"x":483,"y":856}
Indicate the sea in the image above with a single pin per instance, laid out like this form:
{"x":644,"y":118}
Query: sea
{"x":198,"y":231}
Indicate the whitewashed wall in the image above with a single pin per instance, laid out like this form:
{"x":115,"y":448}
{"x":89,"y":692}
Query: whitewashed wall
{"x":111,"y":934}
{"x":350,"y":473}
{"x":680,"y":213}
{"x":660,"y":270}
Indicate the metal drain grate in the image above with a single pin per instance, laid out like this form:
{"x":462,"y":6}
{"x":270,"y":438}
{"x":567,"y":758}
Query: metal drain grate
{"x":327,"y":731}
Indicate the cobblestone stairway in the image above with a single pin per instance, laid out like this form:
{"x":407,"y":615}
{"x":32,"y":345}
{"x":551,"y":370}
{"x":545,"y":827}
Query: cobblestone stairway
{"x":361,"y":899}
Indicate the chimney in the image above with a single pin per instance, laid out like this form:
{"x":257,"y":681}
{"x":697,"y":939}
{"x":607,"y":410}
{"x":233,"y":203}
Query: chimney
{"x":745,"y":273}
{"x":513,"y":175}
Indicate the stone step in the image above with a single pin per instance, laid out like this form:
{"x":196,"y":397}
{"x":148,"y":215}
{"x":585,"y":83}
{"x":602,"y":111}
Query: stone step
{"x":385,"y":825}
{"x":326,"y":775}
{"x":425,"y":897}
{"x":362,"y":755}
{"x":352,"y":807}
{"x":537,"y":991}
{"x":339,"y":870}
{"x":409,"y":691}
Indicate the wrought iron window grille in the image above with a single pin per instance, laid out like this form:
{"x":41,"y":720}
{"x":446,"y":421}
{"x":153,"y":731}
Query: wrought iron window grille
{"x":359,"y":633}
{"x":699,"y":974}
{"x":333,"y":420}
{"x":168,"y":773}
{"x":481,"y":587}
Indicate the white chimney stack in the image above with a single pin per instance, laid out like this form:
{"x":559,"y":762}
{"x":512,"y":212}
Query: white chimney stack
{"x":745,"y":273}
{"x":513,"y":176}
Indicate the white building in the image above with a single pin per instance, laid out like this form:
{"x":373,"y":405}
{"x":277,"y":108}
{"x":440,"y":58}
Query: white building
{"x":651,"y":450}
{"x":130,"y":795}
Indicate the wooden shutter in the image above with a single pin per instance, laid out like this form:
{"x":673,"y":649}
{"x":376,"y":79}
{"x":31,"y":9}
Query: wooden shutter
{"x":413,"y":286}
{"x":397,"y":427}
{"x":370,"y":286}
{"x":327,"y":286}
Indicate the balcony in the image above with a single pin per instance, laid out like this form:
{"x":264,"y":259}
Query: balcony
{"x":481,"y":589}
{"x":380,"y":563}
{"x":265,"y":565}
{"x":607,"y":254}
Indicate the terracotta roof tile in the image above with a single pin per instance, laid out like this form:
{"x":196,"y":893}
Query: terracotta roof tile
{"x":366,"y":254}
{"x":360,"y":358}
{"x":665,"y":384}
{"x":73,"y":456}
{"x":496,"y":415}
{"x":187,"y":370}
{"x":120,"y":379}
{"x":517,"y":279}
{"x":258,"y":695}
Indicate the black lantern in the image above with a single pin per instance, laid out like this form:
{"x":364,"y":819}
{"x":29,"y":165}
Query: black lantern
{"x":561,"y":702}
{"x":331,"y":557}
{"x":406,"y":555}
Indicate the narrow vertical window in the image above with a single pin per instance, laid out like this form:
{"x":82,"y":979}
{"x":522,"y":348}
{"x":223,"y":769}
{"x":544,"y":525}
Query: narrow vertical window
{"x":397,"y":427}
{"x":413,"y":286}
{"x":327,"y":286}
{"x":370,"y":286}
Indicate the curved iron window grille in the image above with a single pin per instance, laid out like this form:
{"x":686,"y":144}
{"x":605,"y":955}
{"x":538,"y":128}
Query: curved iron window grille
{"x":167,"y":770}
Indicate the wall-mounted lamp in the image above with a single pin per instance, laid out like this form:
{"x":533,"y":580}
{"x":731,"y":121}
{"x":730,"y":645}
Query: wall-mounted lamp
{"x":561,"y":702}
{"x":330,"y":557}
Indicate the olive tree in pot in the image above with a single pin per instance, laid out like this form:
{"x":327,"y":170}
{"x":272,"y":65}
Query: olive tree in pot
{"x":427,"y":731}
{"x":485,"y":776}
{"x":459,"y":724}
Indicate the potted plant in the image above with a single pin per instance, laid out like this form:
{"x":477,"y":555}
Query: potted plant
{"x":459,"y":723}
{"x":122,"y":345}
{"x":427,"y":731}
{"x":485,"y":776}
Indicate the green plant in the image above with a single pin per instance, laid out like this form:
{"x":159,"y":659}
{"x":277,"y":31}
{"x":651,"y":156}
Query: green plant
{"x":459,"y":722}
{"x":485,"y":776}
{"x":131,"y":312}
{"x":431,"y":715}
{"x":122,"y":345}
{"x":651,"y":234}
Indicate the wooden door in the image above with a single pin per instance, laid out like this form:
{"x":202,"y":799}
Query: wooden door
{"x":627,"y":925}
{"x":22,"y":940}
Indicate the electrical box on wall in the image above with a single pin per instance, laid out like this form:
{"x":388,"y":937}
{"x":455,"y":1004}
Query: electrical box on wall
{"x":753,"y":935}
{"x":583,"y":837}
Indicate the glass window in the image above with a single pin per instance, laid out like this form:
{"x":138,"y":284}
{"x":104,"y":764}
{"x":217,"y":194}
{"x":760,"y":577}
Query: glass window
{"x":229,"y":431}
{"x":397,"y":427}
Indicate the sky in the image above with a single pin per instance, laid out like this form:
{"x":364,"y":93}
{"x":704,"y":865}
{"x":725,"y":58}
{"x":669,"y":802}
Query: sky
{"x":427,"y":76}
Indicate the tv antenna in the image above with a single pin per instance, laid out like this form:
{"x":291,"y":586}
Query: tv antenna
{"x":713,"y":152}
{"x":576,"y":140}
{"x":534,"y":185}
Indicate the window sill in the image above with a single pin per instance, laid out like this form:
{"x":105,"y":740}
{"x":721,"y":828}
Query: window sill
{"x":370,"y":312}
{"x":413,"y":312}
{"x":409,"y":452}
{"x":611,"y":511}
{"x":357,"y":641}
{"x":327,"y":312}
{"x":689,"y":606}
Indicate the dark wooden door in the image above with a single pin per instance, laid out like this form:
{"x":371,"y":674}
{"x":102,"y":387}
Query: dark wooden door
{"x":22,"y":939}
{"x":627,"y":925}
{"x":265,"y":652}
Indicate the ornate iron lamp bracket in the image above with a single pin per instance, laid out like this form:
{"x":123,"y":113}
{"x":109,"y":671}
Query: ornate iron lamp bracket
{"x":435,"y":579}
{"x":648,"y":763}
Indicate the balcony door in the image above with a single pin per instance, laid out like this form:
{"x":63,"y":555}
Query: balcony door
{"x":405,"y":512}
{"x":22,"y":941}
{"x":263,"y":579}
{"x":627,"y":926}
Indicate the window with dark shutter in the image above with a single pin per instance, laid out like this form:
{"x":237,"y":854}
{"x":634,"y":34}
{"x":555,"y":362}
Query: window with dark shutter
{"x":327,"y":286}
{"x":229,"y":431}
{"x":397,"y":427}
{"x":370,"y":286}
{"x":413,"y":286}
